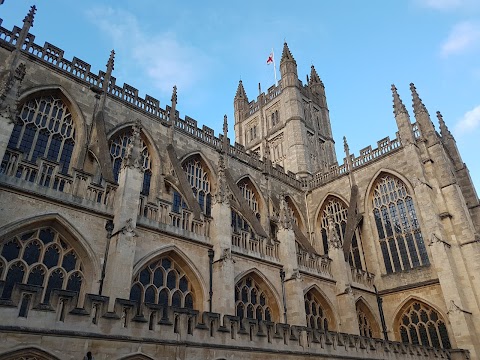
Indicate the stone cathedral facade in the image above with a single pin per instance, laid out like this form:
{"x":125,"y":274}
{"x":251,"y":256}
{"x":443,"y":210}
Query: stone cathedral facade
{"x":128,"y":231}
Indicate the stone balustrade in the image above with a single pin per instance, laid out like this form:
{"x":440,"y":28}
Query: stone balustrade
{"x":45,"y":177}
{"x":363,"y":277}
{"x":246,"y":243}
{"x":314,"y":264}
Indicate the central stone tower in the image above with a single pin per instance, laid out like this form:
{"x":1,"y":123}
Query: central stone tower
{"x":290,"y":124}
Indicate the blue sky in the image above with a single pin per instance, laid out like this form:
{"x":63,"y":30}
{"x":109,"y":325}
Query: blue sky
{"x":359,"y":49}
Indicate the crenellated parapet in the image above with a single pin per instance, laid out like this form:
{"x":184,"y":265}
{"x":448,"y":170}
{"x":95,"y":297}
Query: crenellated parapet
{"x":162,"y":327}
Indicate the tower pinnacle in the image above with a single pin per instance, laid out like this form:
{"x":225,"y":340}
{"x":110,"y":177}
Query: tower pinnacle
{"x":241,"y":94}
{"x":444,"y":131}
{"x":314,"y":78}
{"x":418,"y":106}
{"x":286,"y":54}
{"x":398,"y":106}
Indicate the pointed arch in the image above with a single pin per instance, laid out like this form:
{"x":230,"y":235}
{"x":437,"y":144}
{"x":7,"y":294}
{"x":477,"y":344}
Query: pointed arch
{"x":197,"y":285}
{"x":74,"y":237}
{"x":211,"y":169}
{"x":119,"y":138}
{"x":293,"y":206}
{"x":392,"y":209}
{"x":263,"y":286}
{"x":319,"y":309}
{"x":50,"y":125}
{"x":258,"y":197}
{"x":367,"y":321}
{"x":200,"y":176}
{"x":136,"y":356}
{"x":335,"y":209}
{"x":417,"y":322}
{"x":29,"y":353}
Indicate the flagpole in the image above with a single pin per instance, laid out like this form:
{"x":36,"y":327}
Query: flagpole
{"x":274,"y":69}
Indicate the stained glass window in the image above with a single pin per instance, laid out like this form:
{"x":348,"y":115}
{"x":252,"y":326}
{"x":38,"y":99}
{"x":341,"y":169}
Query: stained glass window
{"x":423,"y":325}
{"x":163,"y":282}
{"x":337,"y":210}
{"x":47,"y":260}
{"x":199,"y":180}
{"x":401,"y":240}
{"x":251,"y":301}
{"x":45,"y":128}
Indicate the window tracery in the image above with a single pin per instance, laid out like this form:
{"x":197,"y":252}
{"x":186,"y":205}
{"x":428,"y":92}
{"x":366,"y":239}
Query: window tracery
{"x":249,"y":194}
{"x":422,"y":325}
{"x":398,"y":229}
{"x":199,"y":180}
{"x":316,"y":312}
{"x":251,"y":301}
{"x":118,"y":150}
{"x":163,"y":282}
{"x":45,"y":129}
{"x":338,"y":212}
{"x":41,"y":257}
{"x":364,"y":324}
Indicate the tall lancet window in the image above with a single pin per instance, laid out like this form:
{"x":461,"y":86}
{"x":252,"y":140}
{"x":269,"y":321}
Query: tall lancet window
{"x":199,"y":180}
{"x":45,"y":129}
{"x":401,"y":240}
{"x":337,"y":211}
{"x":118,"y":150}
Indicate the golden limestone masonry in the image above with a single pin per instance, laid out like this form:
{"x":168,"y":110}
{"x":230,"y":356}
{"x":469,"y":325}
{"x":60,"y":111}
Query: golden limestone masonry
{"x":129,"y":232}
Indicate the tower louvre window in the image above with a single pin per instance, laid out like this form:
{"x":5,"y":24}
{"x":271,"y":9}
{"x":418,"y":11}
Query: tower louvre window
{"x":401,"y":240}
{"x":45,"y":129}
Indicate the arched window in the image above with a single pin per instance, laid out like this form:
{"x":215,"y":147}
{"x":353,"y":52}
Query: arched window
{"x":336,"y":210}
{"x":249,"y":194}
{"x":163,"y":282}
{"x":318,"y":313}
{"x":118,"y":150}
{"x":45,"y":129}
{"x":199,"y":180}
{"x":401,"y":240}
{"x":364,"y":324}
{"x":239,"y":223}
{"x":251,"y":301}
{"x":41,"y":257}
{"x":420,"y":324}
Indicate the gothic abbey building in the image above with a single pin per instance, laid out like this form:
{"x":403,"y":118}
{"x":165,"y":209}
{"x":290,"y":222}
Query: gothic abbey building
{"x":128,"y":231}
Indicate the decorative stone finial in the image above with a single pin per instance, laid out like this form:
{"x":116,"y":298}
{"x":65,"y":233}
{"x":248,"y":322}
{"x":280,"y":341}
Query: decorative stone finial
{"x":174,"y":95}
{"x":30,"y":16}
{"x":111,"y":61}
{"x":398,"y":106}
{"x":444,"y":131}
{"x":418,"y":106}
{"x":225,"y":134}
{"x":345,"y":147}
{"x":314,"y":78}
{"x":133,"y":158}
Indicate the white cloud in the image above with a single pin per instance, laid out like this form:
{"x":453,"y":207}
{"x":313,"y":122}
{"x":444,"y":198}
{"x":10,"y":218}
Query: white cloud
{"x":469,"y":122}
{"x":162,"y":57}
{"x":464,"y":36}
{"x":441,"y":4}
{"x":446,"y":5}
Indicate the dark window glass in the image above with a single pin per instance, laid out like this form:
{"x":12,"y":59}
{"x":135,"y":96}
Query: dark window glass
{"x":74,"y":282}
{"x":136,"y":293}
{"x":150,"y":295}
{"x":69,"y":261}
{"x":31,"y":252}
{"x":15,"y":275}
{"x":11,"y":250}
{"x":55,"y":281}
{"x":51,"y":257}
{"x":37,"y":276}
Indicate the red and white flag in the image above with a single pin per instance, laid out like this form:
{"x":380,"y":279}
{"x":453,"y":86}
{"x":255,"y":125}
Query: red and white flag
{"x":270,"y":59}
